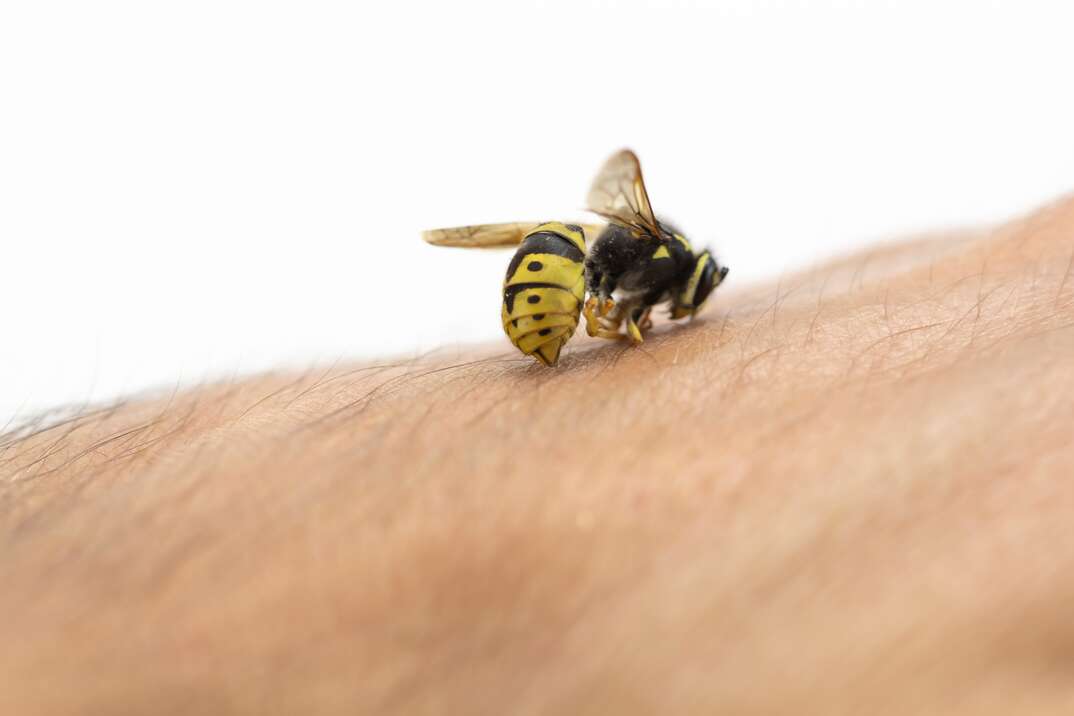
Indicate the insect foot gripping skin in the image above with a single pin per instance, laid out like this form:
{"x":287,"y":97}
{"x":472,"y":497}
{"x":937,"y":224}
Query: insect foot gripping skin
{"x":544,"y":289}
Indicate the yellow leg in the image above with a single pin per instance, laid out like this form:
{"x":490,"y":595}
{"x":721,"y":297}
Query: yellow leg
{"x":595,"y":311}
{"x":593,"y":325}
{"x":646,"y":323}
{"x":634,"y":332}
{"x":607,"y":333}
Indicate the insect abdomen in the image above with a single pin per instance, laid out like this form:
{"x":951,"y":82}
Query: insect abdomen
{"x":544,"y":290}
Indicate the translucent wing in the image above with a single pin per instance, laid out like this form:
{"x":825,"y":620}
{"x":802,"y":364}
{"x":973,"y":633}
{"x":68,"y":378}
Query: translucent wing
{"x":481,"y":236}
{"x":489,"y":236}
{"x":618,"y":194}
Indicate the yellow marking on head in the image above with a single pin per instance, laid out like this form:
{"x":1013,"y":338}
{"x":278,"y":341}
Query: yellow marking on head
{"x":661,"y":253}
{"x":558,"y":227}
{"x":686,"y":298}
{"x":682,"y":240}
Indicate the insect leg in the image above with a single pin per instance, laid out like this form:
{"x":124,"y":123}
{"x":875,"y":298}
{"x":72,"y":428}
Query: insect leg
{"x":645,"y":322}
{"x":632,"y":328}
{"x":594,"y":323}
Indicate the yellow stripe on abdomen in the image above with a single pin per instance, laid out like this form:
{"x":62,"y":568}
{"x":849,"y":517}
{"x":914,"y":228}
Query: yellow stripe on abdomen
{"x":546,"y":268}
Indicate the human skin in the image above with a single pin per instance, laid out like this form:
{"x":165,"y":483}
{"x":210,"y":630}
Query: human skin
{"x":848,"y":491}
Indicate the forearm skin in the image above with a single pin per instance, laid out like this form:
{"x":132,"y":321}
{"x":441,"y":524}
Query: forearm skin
{"x":849,"y":491}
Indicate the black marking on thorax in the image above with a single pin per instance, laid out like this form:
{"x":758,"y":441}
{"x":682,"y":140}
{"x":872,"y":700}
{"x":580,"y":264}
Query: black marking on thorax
{"x":618,"y":260}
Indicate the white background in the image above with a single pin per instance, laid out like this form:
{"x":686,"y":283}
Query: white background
{"x":193,"y":190}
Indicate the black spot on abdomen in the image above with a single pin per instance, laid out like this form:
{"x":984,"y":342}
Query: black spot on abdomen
{"x":543,"y":242}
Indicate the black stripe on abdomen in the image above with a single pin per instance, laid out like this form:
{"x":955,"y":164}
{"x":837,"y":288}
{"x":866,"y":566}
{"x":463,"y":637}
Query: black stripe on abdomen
{"x":509,"y":292}
{"x":544,"y":242}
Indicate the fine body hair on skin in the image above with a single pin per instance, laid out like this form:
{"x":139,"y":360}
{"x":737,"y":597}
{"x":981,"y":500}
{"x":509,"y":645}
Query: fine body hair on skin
{"x":845,"y":491}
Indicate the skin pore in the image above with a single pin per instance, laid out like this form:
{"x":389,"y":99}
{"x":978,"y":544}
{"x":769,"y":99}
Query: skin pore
{"x":848,"y":491}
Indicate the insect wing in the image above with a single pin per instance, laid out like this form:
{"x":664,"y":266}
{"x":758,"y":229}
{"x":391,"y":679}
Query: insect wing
{"x":618,"y":194}
{"x":480,"y":236}
{"x":490,"y":236}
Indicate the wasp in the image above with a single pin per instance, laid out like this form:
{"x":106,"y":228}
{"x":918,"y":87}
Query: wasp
{"x":635,"y":262}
